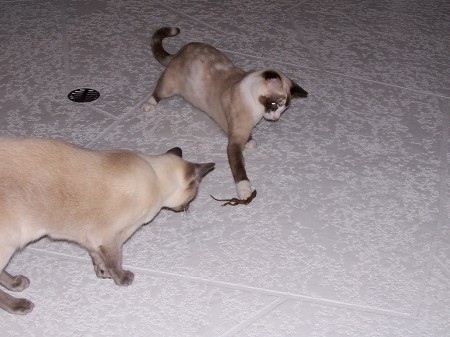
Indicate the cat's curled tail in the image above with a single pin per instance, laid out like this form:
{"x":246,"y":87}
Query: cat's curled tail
{"x":158,"y":50}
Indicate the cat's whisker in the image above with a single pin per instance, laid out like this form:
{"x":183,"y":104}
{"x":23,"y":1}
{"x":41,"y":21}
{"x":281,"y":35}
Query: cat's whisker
{"x":185,"y":213}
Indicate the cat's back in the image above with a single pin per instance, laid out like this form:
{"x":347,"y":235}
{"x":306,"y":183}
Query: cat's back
{"x":47,"y":183}
{"x":36,"y":171}
{"x":202,"y":75}
{"x":35,"y":182}
{"x":202,"y":67}
{"x":203,"y":53}
{"x":45,"y":162}
{"x":27,"y":157}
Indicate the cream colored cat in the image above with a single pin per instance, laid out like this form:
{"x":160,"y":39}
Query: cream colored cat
{"x":97,"y":199}
{"x":235,"y":99}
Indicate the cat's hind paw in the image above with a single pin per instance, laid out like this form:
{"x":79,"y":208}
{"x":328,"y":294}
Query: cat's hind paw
{"x":244,"y":189}
{"x":13,"y":283}
{"x":251,"y":144}
{"x":149,"y":105}
{"x":19,"y":283}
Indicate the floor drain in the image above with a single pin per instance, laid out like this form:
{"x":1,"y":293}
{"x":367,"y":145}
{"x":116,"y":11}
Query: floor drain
{"x":83,"y":95}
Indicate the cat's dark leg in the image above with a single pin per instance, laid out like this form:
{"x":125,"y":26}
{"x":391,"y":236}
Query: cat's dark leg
{"x":99,"y":266}
{"x":237,"y":165}
{"x":9,"y":243}
{"x":18,"y":306}
{"x":111,"y":256}
{"x":14,"y":283}
{"x":9,"y":303}
{"x":165,"y":87}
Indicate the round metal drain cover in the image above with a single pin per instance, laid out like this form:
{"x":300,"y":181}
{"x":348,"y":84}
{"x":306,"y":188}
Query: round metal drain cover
{"x":83,"y":95}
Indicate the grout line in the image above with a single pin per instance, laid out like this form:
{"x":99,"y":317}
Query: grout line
{"x":117,"y":121}
{"x":201,"y":23}
{"x":337,"y":74}
{"x":314,"y":56}
{"x":65,"y":45}
{"x":162,"y":4}
{"x":386,"y":84}
{"x":234,"y":286}
{"x":66,"y":60}
{"x":285,"y":295}
{"x":261,"y":313}
{"x":294,"y":64}
{"x":442,"y":219}
{"x":100,"y":135}
{"x":107,"y":114}
{"x":104,"y":132}
{"x":132,"y":109}
{"x":444,"y":268}
{"x":321,"y":67}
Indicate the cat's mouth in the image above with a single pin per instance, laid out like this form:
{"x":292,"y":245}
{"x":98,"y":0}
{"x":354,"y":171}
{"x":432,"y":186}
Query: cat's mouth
{"x":274,"y":114}
{"x":182,"y":208}
{"x":271,"y":116}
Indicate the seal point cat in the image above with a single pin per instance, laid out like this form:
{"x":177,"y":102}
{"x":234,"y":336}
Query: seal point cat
{"x":96,"y":199}
{"x":237,"y":100}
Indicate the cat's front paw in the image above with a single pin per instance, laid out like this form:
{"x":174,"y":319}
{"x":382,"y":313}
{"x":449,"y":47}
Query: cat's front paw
{"x":244,"y":189}
{"x":125,"y":279}
{"x":21,"y":306}
{"x":149,"y":105}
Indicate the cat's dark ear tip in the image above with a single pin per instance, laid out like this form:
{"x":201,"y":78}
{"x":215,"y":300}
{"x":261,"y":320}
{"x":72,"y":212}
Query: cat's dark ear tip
{"x":176,"y":151}
{"x":298,"y":91}
{"x":204,"y":169}
{"x":211,"y":166}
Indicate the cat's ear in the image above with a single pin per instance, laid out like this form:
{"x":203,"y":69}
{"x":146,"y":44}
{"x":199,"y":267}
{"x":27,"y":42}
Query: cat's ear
{"x":297,"y":91}
{"x":202,"y":169}
{"x":176,"y":151}
{"x":272,"y":80}
{"x":274,"y":84}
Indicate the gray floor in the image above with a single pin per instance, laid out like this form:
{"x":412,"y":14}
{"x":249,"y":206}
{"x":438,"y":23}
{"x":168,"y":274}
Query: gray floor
{"x":349,"y":234}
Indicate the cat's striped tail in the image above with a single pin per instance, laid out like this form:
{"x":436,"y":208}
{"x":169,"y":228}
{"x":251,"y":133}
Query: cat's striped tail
{"x":158,"y":50}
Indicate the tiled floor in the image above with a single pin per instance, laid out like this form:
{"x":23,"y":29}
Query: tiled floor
{"x":349,"y":234}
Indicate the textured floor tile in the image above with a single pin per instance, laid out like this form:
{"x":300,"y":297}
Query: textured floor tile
{"x":262,"y":30}
{"x":434,"y":310}
{"x":109,"y":48}
{"x":32,"y":63}
{"x":301,"y":319}
{"x":401,"y":45}
{"x":443,"y":235}
{"x":33,"y":94}
{"x":346,"y":207}
{"x":53,"y":118}
{"x":71,"y":301}
{"x":350,"y":205}
{"x":294,"y":318}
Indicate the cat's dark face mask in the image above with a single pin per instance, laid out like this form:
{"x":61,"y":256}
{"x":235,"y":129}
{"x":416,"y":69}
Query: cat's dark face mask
{"x":273,"y":107}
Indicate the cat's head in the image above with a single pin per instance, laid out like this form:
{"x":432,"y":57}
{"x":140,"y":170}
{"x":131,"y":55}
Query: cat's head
{"x":276,"y":93}
{"x":182,"y":179}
